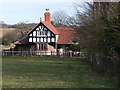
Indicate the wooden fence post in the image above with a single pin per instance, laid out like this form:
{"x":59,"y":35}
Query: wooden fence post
{"x":30,"y":53}
{"x":12,"y":53}
{"x":70,"y":53}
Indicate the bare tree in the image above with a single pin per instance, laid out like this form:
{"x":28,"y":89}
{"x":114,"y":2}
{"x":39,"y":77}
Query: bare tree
{"x":23,"y":28}
{"x":99,"y":34}
{"x":59,"y":18}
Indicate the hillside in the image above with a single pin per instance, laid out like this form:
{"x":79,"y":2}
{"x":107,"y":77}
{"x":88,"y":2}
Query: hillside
{"x":5,"y":31}
{"x":10,"y":33}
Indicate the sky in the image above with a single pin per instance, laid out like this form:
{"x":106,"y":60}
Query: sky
{"x":13,"y":12}
{"x":16,"y":11}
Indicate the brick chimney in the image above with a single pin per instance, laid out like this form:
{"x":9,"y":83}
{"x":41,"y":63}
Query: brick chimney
{"x":47,"y":16}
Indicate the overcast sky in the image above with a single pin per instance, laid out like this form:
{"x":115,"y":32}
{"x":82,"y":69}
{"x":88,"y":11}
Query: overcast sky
{"x":15,"y":11}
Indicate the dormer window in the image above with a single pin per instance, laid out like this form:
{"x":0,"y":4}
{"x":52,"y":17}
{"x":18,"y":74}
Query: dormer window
{"x":74,"y":42}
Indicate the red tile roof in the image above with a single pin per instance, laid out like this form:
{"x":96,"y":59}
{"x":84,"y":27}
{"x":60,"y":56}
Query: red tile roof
{"x":67,"y":35}
{"x":51,"y":27}
{"x":24,"y":40}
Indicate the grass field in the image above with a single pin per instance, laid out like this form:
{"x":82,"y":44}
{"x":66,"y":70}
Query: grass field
{"x":51,"y":72}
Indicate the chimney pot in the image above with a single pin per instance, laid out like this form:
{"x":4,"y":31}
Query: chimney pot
{"x":47,"y":16}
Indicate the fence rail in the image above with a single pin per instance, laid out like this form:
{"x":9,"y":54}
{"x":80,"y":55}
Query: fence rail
{"x":42,"y":53}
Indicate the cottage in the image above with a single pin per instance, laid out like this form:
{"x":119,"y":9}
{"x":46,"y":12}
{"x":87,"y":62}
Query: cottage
{"x":45,"y":37}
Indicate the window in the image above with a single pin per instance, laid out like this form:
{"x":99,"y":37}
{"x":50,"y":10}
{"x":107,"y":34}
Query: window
{"x":38,"y":33}
{"x":42,"y":46}
{"x":48,"y":33}
{"x":74,"y":42}
{"x":44,"y":39}
{"x":43,"y":32}
{"x":38,"y":39}
{"x":48,"y":39}
{"x":34,"y":39}
{"x":45,"y":28}
{"x":41,"y":39}
{"x":53,"y":39}
{"x":30,"y":39}
{"x":52,"y":34}
{"x":34,"y":33}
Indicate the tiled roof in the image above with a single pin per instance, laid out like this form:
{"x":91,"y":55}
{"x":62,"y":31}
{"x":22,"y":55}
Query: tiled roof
{"x":51,"y":27}
{"x":24,"y":40}
{"x":67,"y":35}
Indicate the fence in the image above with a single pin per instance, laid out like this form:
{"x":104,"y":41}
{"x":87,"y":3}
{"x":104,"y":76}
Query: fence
{"x":42,"y":53}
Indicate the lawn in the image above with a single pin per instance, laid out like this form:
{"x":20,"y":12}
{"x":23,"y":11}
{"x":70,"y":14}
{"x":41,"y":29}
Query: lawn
{"x":51,"y":72}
